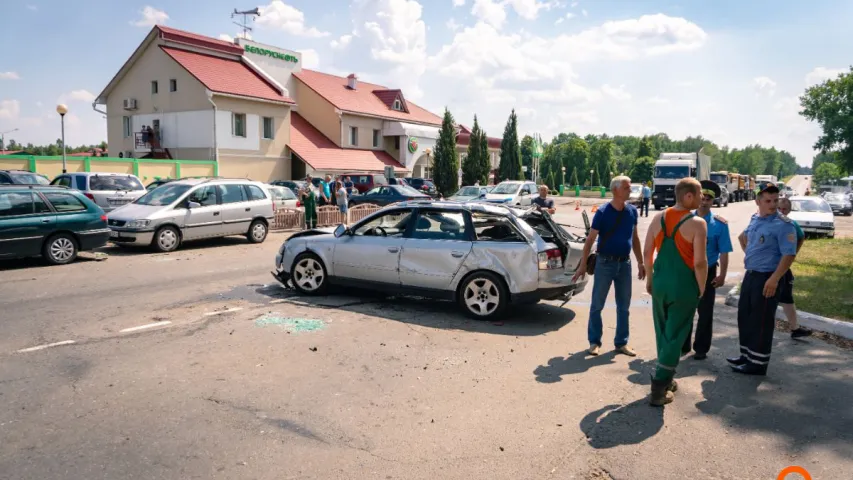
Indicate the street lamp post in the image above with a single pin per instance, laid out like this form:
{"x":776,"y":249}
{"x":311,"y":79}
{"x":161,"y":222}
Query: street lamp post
{"x":564,"y":176}
{"x":61,"y":109}
{"x":3,"y":138}
{"x":590,"y":177}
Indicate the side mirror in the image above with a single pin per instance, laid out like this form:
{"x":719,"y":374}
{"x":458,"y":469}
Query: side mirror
{"x":523,"y":193}
{"x":341,"y":230}
{"x":482,"y":195}
{"x":191,"y":205}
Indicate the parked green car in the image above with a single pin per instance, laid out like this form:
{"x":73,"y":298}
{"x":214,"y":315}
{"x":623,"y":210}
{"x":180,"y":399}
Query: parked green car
{"x":54,"y":222}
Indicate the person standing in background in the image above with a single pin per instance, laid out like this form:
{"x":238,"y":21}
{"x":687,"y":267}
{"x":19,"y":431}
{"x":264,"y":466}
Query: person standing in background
{"x":341,"y":199}
{"x":718,"y":249}
{"x":676,"y":281}
{"x":543,"y":202}
{"x":309,"y":202}
{"x":618,"y":222}
{"x":647,"y":198}
{"x":348,"y":185}
{"x":786,"y":296}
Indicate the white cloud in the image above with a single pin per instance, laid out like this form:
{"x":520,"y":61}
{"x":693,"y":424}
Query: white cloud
{"x":559,"y":21}
{"x":9,"y":109}
{"x":585,"y":117}
{"x":617,"y":93}
{"x":489,"y":11}
{"x":820,"y":74}
{"x":150,"y":16}
{"x":229,"y":38}
{"x":341,"y":42}
{"x":33,"y":7}
{"x":584,"y":13}
{"x":764,"y":85}
{"x":285,"y":17}
{"x":9,"y":76}
{"x":458,"y":3}
{"x":452,"y":25}
{"x":310,"y":58}
{"x":39,"y":104}
{"x":529,"y":9}
{"x":657,"y":100}
{"x":570,"y":16}
{"x":77,"y":96}
{"x":574,"y":4}
{"x":226,"y":37}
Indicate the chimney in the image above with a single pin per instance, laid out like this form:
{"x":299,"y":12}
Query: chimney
{"x":352,"y":81}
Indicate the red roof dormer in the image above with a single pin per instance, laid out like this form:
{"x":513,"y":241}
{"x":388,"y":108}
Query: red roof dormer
{"x":393,"y":99}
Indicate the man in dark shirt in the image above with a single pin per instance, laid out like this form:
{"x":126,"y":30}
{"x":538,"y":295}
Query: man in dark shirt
{"x":543,"y":202}
{"x":348,"y":185}
{"x":617,"y":222}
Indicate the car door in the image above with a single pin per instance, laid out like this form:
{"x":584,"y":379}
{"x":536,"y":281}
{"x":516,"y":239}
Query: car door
{"x":25,"y":219}
{"x":205,"y":220}
{"x":433,"y":252}
{"x":526,"y":194}
{"x":236,"y":211}
{"x":372,"y":251}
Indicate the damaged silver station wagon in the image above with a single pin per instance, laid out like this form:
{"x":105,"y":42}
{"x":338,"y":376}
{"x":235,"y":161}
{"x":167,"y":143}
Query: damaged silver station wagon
{"x":485,"y":257}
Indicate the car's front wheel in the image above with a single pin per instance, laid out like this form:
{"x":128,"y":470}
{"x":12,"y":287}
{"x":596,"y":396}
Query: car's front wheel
{"x":483,"y":296}
{"x":60,"y":249}
{"x":167,"y":239}
{"x":308,"y":274}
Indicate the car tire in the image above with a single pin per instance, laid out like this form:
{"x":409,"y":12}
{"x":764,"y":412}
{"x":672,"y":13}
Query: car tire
{"x":308,"y":274}
{"x":258,"y":231}
{"x":60,"y":249}
{"x":483,"y":296}
{"x":166,"y":239}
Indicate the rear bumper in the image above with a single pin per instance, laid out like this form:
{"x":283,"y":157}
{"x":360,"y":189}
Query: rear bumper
{"x":551,"y":293}
{"x":92,"y":239}
{"x":129,"y":237}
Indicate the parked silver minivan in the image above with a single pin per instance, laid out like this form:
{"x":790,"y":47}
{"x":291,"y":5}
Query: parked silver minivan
{"x":108,"y":190}
{"x":193,"y":209}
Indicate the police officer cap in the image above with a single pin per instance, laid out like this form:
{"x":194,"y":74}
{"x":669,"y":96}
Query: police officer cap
{"x":710,"y":188}
{"x":769,"y":187}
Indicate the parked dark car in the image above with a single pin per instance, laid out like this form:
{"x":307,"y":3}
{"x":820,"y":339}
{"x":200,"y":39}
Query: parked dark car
{"x":22,"y":177}
{"x":293,"y":185}
{"x":398,"y":181}
{"x":54,"y":222}
{"x":364,"y":182}
{"x":388,"y":194}
{"x":424,"y":186}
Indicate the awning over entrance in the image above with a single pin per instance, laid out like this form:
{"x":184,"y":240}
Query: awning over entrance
{"x":322,"y":154}
{"x":396,"y":129}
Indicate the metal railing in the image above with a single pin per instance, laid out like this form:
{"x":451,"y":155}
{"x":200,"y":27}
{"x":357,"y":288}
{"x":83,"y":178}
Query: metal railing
{"x":327,"y":216}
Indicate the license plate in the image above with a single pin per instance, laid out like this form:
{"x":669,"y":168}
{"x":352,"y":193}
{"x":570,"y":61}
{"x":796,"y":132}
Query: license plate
{"x":118,"y":201}
{"x":114,"y":234}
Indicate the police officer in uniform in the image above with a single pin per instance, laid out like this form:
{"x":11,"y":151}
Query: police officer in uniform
{"x":718,"y":249}
{"x":770,"y":243}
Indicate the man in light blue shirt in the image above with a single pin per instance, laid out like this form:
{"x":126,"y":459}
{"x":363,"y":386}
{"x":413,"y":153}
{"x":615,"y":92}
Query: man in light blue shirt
{"x":770,"y":243}
{"x":717,"y":250}
{"x":647,"y":198}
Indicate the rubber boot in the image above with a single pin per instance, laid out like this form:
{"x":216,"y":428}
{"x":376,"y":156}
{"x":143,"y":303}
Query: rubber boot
{"x":673,"y":387}
{"x":661,"y":394}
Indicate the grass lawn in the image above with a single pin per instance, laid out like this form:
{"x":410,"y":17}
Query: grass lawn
{"x":823,"y":278}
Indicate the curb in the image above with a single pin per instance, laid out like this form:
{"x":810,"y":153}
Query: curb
{"x":815,"y":322}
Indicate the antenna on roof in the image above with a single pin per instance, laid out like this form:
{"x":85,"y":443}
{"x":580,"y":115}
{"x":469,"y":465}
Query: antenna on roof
{"x":246,"y":14}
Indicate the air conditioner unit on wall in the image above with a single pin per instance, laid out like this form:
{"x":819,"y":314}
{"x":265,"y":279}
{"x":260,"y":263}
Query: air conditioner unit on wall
{"x":130,"y":104}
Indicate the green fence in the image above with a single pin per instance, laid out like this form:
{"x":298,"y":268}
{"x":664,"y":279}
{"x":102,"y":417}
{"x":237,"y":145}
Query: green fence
{"x":144,"y":168}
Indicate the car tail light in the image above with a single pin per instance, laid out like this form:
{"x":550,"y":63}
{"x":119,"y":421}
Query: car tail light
{"x":90,"y":196}
{"x":550,"y":259}
{"x":298,"y":203}
{"x":103,"y":218}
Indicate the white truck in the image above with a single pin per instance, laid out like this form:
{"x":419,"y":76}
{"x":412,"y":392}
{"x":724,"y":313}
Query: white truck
{"x":760,"y":180}
{"x":726,"y":180}
{"x":672,"y":167}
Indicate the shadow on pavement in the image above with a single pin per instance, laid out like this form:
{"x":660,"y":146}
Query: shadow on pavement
{"x":127,"y":250}
{"x":616,"y":425}
{"x":579,"y":362}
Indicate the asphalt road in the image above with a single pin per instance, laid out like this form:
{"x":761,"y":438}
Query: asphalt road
{"x":239,"y":379}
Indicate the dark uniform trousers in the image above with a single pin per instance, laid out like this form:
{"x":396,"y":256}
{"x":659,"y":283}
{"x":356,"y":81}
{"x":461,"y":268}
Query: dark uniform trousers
{"x":756,"y":318}
{"x":705,"y":324}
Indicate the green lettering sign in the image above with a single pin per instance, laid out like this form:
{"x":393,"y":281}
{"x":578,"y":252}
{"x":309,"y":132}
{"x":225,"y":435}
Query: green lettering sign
{"x":270,"y":53}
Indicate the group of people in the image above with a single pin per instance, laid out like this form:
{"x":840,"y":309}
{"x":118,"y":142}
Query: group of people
{"x":325,"y":192}
{"x":684,"y":259}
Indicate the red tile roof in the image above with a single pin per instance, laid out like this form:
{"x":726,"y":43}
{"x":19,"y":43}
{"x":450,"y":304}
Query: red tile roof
{"x":222,"y":75}
{"x":322,"y":154}
{"x":465,"y":139}
{"x":388,"y":97}
{"x":175,"y":35}
{"x":362,"y":99}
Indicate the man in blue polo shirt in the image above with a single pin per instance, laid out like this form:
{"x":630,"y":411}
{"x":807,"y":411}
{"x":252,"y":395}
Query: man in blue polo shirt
{"x":717,"y":250}
{"x":617,"y":222}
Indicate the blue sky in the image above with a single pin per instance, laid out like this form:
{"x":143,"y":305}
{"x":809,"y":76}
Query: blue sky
{"x":728,"y":70}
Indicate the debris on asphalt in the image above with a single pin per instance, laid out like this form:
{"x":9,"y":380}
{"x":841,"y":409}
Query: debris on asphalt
{"x":502,"y":448}
{"x":313,"y":349}
{"x":382,"y":345}
{"x":291,"y":324}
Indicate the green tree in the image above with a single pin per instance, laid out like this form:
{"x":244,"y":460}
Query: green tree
{"x":826,"y":173}
{"x":643,"y":170}
{"x":574,"y":180}
{"x":445,"y":166}
{"x":576,"y":157}
{"x":485,"y":158}
{"x":510,"y":165}
{"x":646,"y":149}
{"x":601,"y":157}
{"x":527,"y":155}
{"x":471,"y":164}
{"x":830,"y":105}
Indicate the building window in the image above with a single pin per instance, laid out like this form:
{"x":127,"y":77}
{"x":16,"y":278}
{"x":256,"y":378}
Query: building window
{"x":376,"y":138}
{"x":269,"y":131}
{"x":398,"y":105}
{"x":353,"y":136}
{"x":396,"y":143}
{"x":125,"y":126}
{"x":173,"y":85}
{"x":238,"y":124}
{"x":154,"y":87}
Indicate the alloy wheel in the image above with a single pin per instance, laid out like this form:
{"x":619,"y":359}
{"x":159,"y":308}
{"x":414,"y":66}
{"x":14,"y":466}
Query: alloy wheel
{"x":309,"y":274}
{"x":482,"y":297}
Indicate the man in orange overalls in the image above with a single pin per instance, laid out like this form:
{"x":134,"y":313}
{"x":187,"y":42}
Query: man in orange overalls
{"x":677,"y":280}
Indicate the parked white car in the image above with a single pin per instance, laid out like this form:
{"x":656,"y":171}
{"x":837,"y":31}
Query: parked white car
{"x":513,"y":193}
{"x":283,"y":197}
{"x":814,"y":215}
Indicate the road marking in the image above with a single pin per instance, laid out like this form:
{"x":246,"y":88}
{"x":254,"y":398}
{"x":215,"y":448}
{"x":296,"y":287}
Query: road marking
{"x":47,"y":345}
{"x":210,"y":314}
{"x":146,"y":326}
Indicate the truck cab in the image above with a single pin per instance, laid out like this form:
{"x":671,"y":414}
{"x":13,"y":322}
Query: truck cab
{"x":672,"y":167}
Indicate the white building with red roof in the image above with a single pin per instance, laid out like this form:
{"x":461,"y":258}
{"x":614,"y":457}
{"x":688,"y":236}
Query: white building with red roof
{"x":253,"y":109}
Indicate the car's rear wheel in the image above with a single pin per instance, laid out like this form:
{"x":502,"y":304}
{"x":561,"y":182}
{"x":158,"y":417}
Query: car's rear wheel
{"x":257,"y":232}
{"x":483,"y":296}
{"x":167,"y":239}
{"x":60,"y":249}
{"x":308,"y":274}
